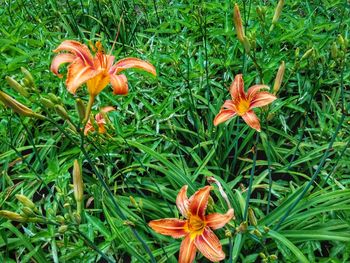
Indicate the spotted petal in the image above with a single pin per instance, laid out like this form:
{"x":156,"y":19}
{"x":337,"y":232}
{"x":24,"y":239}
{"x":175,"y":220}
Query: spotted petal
{"x":252,"y":120}
{"x":170,"y":227}
{"x":216,"y":220}
{"x":182,"y":201}
{"x":187,"y":250}
{"x":199,"y":201}
{"x":209,"y":245}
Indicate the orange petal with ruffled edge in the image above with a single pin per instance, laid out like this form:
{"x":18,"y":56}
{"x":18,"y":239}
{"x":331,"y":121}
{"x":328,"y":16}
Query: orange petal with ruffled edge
{"x":187,"y":250}
{"x":237,"y":88}
{"x":252,"y":120}
{"x":216,"y":220}
{"x":173,"y":227}
{"x":182,"y":202}
{"x":133,"y":63}
{"x":119,"y":84}
{"x":199,"y":201}
{"x":78,"y":49}
{"x":59,"y":60}
{"x":223,"y":116}
{"x":261,"y":99}
{"x":101,"y":118}
{"x":229,"y":105}
{"x":253,"y":90}
{"x":78,"y":74}
{"x":209,"y":245}
{"x":88,"y":128}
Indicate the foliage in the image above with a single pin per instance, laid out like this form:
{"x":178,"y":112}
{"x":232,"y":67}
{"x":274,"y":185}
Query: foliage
{"x":162,"y":136}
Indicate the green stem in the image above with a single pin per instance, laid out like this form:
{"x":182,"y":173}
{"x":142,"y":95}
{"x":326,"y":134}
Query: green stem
{"x":88,"y":109}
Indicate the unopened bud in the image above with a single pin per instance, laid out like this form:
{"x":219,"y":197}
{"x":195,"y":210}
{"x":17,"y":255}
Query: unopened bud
{"x":257,"y":233}
{"x":47,"y":103}
{"x":279,"y":78}
{"x":62,"y":229}
{"x":297,"y":53}
{"x":133,"y":201}
{"x":341,"y":42}
{"x":60,"y":219}
{"x":26,"y":201}
{"x":262,"y":255}
{"x":242,"y":227}
{"x":80,"y":108}
{"x":17,"y":87}
{"x":238,"y":23}
{"x":28,"y":76}
{"x":228,"y":233}
{"x":12,"y":216}
{"x":273,"y":257}
{"x":246,"y":44}
{"x":78,"y":185}
{"x":308,"y":53}
{"x":128,"y":223}
{"x":62,"y":112}
{"x":252,"y":218}
{"x":54,"y":98}
{"x":77,"y":218}
{"x":18,"y":107}
{"x":27,"y":211}
{"x":278,"y":11}
{"x":266,"y":229}
{"x":334,"y":50}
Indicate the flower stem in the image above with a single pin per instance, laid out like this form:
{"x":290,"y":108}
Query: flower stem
{"x":88,"y":108}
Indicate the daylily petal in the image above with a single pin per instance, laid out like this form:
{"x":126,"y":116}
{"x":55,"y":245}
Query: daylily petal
{"x":223,"y":116}
{"x":101,"y":120}
{"x":199,"y":201}
{"x":237,"y":88}
{"x":119,"y":84}
{"x":253,"y":90}
{"x":170,"y":227}
{"x":182,"y":201}
{"x":252,"y":120}
{"x":229,"y":105}
{"x":216,"y":220}
{"x":133,"y":63}
{"x":59,"y":60}
{"x":103,"y":61}
{"x":88,"y":127}
{"x":78,"y":74}
{"x":209,"y":245}
{"x":187,"y":250}
{"x":78,"y":49}
{"x":96,"y":84}
{"x":262,"y":98}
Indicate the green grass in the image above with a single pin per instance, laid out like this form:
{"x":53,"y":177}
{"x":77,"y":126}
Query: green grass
{"x":162,"y":136}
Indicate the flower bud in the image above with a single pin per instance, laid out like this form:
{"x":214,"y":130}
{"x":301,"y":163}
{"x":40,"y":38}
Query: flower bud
{"x":28,"y":77}
{"x":80,"y":108}
{"x":242,"y":227}
{"x":60,"y":219}
{"x":62,"y":112}
{"x":62,"y":229}
{"x":54,"y":98}
{"x":12,"y":216}
{"x":77,"y":218}
{"x":307,"y":54}
{"x":18,"y":107}
{"x":47,"y":103}
{"x":246,"y":44}
{"x":278,"y":11}
{"x":334,"y":50}
{"x":26,"y":201}
{"x":27,"y":212}
{"x":252,"y":218}
{"x":17,"y":87}
{"x":238,"y":23}
{"x":341,"y":42}
{"x":78,"y":185}
{"x":279,"y":78}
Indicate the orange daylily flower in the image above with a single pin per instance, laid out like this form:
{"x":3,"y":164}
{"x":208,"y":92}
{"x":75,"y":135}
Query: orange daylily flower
{"x":196,"y":227}
{"x":96,"y":71}
{"x":100,"y":120}
{"x":242,"y":104}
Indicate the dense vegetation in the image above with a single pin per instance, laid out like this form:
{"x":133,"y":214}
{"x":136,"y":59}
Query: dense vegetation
{"x":295,"y":173}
